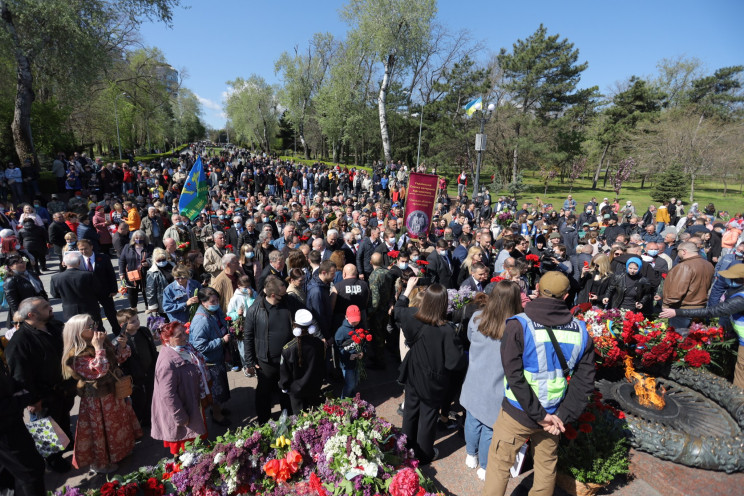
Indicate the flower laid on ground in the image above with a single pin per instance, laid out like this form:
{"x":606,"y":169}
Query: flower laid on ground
{"x":595,"y":449}
{"x":340,"y":448}
{"x":621,"y":333}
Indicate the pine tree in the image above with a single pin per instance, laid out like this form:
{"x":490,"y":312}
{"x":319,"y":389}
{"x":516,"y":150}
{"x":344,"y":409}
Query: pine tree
{"x":672,"y":183}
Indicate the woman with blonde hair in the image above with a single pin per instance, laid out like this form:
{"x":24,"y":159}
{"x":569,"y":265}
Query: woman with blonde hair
{"x":106,"y":426}
{"x":248,"y":263}
{"x":595,"y":279}
{"x":483,"y":389}
{"x":475,"y":255}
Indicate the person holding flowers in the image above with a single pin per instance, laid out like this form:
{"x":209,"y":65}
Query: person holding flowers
{"x":302,"y":364}
{"x":350,"y":349}
{"x":732,"y":307}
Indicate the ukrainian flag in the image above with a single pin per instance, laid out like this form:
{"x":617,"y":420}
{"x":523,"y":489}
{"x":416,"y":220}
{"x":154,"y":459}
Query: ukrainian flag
{"x":194,"y":194}
{"x":471,"y":107}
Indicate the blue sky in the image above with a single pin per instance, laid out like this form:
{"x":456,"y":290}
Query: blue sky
{"x":219,"y":40}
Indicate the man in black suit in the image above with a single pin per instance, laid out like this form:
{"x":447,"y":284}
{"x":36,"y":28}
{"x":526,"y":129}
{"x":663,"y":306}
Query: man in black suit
{"x":440,"y":265}
{"x":77,"y":288}
{"x":232,"y":235}
{"x":364,"y":253}
{"x":275,"y":267}
{"x":349,"y":249}
{"x":478,"y":279}
{"x":100,"y":265}
{"x":388,"y":244}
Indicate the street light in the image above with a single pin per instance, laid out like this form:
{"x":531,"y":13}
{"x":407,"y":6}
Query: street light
{"x":480,"y":144}
{"x":421,"y":123}
{"x":116,"y":117}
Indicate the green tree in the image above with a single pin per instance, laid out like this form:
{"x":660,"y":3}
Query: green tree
{"x":541,"y":75}
{"x":640,"y":101}
{"x":52,"y":36}
{"x":302,"y":76}
{"x":252,"y":110}
{"x":672,"y":183}
{"x":391,"y":32}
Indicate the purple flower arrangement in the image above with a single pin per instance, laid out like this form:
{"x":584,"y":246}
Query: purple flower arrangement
{"x":459,"y":298}
{"x":344,"y":448}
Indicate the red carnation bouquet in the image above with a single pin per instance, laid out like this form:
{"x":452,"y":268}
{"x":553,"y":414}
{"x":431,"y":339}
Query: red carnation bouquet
{"x":356,"y":344}
{"x":534,"y":259}
{"x":393,"y":254}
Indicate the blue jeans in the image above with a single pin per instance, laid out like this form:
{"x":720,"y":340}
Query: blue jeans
{"x":680,"y":324}
{"x":351,"y":378}
{"x":477,"y":439}
{"x":660,"y":226}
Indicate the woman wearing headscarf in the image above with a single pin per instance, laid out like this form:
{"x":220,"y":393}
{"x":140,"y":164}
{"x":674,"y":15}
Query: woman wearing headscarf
{"x":629,"y":290}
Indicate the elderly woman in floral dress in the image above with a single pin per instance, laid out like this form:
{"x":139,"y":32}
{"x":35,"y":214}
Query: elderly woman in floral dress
{"x":106,"y":426}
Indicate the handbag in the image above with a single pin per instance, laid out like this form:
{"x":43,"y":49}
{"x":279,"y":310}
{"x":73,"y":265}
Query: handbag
{"x":48,"y":436}
{"x":123,"y":386}
{"x":136,"y":275}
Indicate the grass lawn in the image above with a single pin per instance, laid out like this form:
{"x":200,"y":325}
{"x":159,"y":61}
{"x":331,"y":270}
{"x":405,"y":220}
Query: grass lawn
{"x":705,"y":192}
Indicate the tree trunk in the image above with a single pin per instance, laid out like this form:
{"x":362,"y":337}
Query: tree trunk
{"x":692,"y":187}
{"x":599,"y":166}
{"x":515,"y":155}
{"x":21,"y":125}
{"x":607,"y":175}
{"x":302,"y":140}
{"x":384,"y":134}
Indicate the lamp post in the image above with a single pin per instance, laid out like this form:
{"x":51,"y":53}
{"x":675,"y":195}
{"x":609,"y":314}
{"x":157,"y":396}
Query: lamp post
{"x":480,"y":145}
{"x":421,"y":123}
{"x":116,"y":117}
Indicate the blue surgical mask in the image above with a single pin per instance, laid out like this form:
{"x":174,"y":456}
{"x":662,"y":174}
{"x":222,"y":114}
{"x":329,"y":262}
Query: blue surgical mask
{"x":162,"y":264}
{"x":443,"y":252}
{"x":653,"y":253}
{"x":213,"y":308}
{"x":71,"y":245}
{"x":265,"y":219}
{"x":139,"y":241}
{"x":414,"y":258}
{"x":249,"y":255}
{"x":402,"y":265}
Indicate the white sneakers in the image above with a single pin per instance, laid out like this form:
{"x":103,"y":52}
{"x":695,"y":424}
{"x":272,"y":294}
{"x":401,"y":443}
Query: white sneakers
{"x":472,"y":462}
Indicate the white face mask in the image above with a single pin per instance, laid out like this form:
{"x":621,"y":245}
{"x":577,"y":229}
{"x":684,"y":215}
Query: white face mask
{"x":162,"y":264}
{"x":358,"y":237}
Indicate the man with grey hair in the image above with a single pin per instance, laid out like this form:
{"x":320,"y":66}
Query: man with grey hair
{"x":153,"y":227}
{"x":226,"y":281}
{"x":275,"y":267}
{"x":232,"y":234}
{"x":249,"y":235}
{"x":78,"y":289}
{"x":213,"y":255}
{"x":180,"y":231}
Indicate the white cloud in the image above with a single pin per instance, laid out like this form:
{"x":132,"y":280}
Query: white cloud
{"x":206,"y":102}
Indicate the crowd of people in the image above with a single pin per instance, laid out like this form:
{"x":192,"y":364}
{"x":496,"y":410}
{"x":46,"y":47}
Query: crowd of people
{"x":282,"y":267}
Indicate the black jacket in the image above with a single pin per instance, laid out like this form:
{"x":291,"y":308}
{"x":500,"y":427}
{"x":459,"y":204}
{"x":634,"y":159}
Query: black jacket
{"x":34,"y":238}
{"x":434,"y":354}
{"x":267,"y":329}
{"x":78,"y":290}
{"x":269,"y":271}
{"x":617,"y":288}
{"x":17,"y":289}
{"x":35,"y":361}
{"x":439,"y":270}
{"x":129,"y":260}
{"x":364,"y":253}
{"x":105,"y":275}
{"x":57,"y":231}
{"x":303,"y":380}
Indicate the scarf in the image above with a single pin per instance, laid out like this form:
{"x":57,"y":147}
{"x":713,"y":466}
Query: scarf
{"x":189,"y":353}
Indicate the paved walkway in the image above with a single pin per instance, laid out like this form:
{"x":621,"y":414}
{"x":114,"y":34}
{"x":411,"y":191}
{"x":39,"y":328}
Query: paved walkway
{"x":381,"y":389}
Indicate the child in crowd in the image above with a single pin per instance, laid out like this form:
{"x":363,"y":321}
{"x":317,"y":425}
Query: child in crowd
{"x":141,"y":364}
{"x":243,"y":298}
{"x":348,"y":351}
{"x":302,"y":366}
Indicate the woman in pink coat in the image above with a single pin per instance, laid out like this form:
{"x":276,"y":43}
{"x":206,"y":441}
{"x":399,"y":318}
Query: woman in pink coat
{"x":102,"y":228}
{"x":180,"y":389}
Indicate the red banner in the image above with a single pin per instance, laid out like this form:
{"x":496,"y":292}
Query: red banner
{"x":420,"y":199}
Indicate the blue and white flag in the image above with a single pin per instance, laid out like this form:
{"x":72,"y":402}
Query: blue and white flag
{"x":194,"y":194}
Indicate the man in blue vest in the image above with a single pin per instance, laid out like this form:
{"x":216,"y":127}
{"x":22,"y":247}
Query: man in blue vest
{"x":732,"y":306}
{"x":541,"y":350}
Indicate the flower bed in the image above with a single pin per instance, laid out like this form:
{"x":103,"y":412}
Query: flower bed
{"x":341,"y":448}
{"x":652,"y":343}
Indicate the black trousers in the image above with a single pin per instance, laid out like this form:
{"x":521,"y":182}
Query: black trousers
{"x":303,"y":403}
{"x":420,"y":425}
{"x":109,"y":310}
{"x":142,"y":391}
{"x":19,"y":459}
{"x":268,"y":384}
